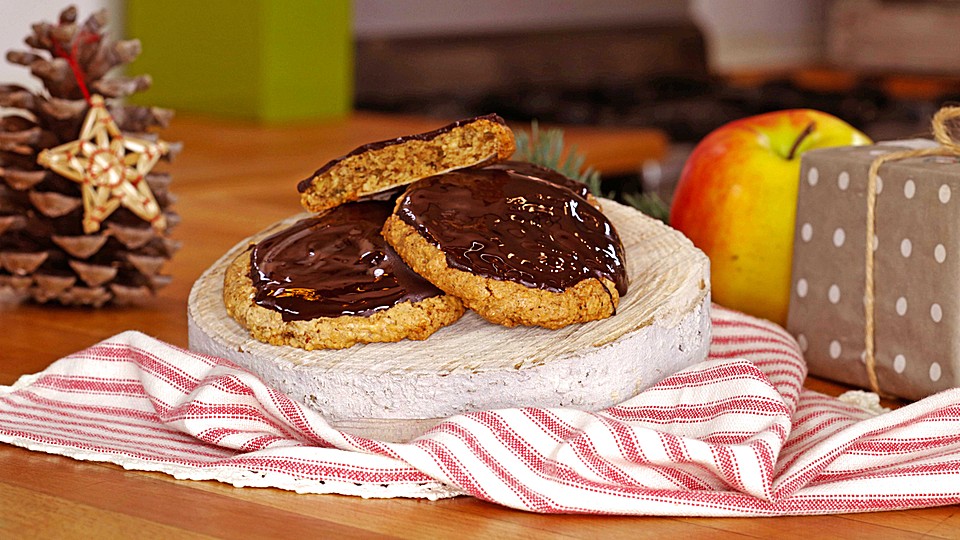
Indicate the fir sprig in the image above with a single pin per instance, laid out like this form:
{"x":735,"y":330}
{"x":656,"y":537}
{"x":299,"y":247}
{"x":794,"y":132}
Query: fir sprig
{"x":545,"y":148}
{"x":650,"y":204}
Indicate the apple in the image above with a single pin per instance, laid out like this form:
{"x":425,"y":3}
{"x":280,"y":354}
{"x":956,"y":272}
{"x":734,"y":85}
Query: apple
{"x":737,"y":201}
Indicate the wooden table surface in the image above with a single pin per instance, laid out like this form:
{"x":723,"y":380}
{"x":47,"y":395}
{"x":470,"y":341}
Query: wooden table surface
{"x":232,"y":180}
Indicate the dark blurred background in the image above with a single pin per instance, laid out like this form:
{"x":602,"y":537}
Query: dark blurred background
{"x":683,"y":67}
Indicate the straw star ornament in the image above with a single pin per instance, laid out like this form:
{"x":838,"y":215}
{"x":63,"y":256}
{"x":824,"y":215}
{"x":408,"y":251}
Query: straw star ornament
{"x":110,"y":167}
{"x":77,"y":212}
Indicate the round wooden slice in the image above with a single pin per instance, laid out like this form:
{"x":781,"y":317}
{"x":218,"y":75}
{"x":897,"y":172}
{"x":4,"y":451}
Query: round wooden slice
{"x":395,"y":391}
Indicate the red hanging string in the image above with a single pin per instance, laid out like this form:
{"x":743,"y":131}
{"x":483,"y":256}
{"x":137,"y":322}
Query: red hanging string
{"x":71,"y":58}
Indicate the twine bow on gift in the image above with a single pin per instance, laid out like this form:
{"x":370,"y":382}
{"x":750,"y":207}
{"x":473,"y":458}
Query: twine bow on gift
{"x":949,"y":145}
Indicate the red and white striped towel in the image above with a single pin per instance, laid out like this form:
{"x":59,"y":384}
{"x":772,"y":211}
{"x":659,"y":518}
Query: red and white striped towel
{"x":735,"y":435}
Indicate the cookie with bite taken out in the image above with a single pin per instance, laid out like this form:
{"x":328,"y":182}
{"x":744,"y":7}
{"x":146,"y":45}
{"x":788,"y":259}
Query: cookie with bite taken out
{"x":385,"y":165}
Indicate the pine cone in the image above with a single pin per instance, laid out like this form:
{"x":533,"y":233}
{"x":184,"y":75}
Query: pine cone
{"x":45,"y":255}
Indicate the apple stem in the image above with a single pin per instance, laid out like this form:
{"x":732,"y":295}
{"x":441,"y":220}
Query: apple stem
{"x":803,"y":135}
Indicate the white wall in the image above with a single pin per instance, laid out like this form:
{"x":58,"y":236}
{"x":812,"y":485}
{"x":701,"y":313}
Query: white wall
{"x":17,"y":18}
{"x":392,"y":18}
{"x":741,"y":34}
{"x":758,"y":34}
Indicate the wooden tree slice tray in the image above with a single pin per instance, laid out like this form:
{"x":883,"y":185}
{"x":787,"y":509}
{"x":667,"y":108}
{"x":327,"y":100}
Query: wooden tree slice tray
{"x":396,"y":391}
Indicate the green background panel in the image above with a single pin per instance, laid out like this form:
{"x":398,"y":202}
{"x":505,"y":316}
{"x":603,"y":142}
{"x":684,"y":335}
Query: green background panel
{"x":274,"y":61}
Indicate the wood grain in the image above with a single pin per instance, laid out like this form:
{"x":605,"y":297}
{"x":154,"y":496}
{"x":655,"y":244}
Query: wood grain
{"x":233,"y":180}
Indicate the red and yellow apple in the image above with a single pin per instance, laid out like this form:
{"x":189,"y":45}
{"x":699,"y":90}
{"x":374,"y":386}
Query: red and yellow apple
{"x":736,"y":200}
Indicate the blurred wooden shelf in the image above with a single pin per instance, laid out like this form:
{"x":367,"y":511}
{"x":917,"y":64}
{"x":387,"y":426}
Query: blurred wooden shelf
{"x":907,"y":86}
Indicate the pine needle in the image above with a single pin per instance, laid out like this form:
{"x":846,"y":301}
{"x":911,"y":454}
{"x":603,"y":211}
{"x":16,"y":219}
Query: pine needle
{"x":650,"y":204}
{"x":545,"y":148}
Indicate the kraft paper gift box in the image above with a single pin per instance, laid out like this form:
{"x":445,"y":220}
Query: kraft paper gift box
{"x":916,"y":247}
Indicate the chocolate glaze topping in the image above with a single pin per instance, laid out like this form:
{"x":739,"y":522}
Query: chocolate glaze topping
{"x":305,"y":184}
{"x":535,"y":171}
{"x":513,"y":227}
{"x":332,"y":265}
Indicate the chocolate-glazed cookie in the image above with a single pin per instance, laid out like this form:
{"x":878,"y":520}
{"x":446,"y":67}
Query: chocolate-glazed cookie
{"x":535,"y":171}
{"x":332,"y":265}
{"x":516,"y":249}
{"x":383,"y":165}
{"x":331,"y":281}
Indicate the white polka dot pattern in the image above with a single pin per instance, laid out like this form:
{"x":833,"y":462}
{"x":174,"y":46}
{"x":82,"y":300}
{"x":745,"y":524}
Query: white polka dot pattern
{"x":843,"y":180}
{"x":909,"y":189}
{"x":899,"y":363}
{"x":935,"y":372}
{"x":936,"y":312}
{"x":833,"y":294}
{"x":835,"y":349}
{"x":901,"y":306}
{"x":839,"y":237}
{"x":917,"y":281}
